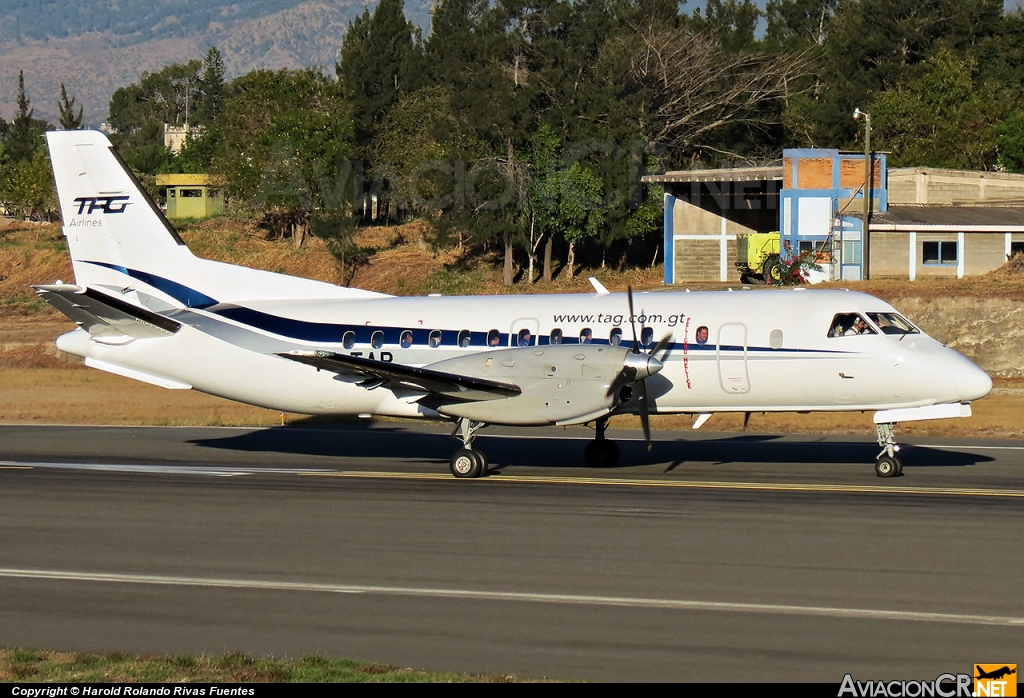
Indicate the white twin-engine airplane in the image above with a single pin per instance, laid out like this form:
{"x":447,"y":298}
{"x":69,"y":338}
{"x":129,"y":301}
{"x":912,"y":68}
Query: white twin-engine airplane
{"x":146,"y":308}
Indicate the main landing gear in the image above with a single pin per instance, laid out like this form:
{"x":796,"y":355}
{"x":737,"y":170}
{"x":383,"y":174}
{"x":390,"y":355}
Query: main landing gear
{"x":887,"y":463}
{"x":601,"y":453}
{"x":468,"y":462}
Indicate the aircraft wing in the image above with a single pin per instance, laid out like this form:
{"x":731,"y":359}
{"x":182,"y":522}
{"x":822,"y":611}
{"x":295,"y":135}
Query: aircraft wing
{"x":391,"y":375}
{"x":102,"y":315}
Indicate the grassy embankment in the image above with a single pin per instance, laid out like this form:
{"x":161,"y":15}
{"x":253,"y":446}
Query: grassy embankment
{"x":39,"y":385}
{"x":21,"y":666}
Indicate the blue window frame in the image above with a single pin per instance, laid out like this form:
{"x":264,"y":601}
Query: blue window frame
{"x":939,"y":253}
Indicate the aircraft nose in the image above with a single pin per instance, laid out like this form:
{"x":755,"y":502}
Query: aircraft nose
{"x":971,"y":382}
{"x":643,"y":364}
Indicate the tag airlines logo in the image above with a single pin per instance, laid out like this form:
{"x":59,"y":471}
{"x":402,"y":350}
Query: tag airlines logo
{"x":106,"y":204}
{"x":994,"y":680}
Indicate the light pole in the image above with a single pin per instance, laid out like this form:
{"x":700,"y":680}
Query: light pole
{"x":865,"y":237}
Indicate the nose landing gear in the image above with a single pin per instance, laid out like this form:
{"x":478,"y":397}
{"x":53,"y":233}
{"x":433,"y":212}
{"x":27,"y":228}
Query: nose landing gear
{"x":887,"y":463}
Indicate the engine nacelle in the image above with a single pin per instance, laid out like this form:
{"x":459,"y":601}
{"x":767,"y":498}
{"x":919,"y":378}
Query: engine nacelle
{"x":561,"y":384}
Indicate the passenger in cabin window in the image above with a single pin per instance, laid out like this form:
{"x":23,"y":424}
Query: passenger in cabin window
{"x":406,"y":339}
{"x":702,"y":335}
{"x":493,"y":339}
{"x":525,"y":338}
{"x":586,"y":336}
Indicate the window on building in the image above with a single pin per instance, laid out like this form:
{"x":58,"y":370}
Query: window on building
{"x":1016,"y":248}
{"x":194,"y":193}
{"x":172,"y":193}
{"x":851,"y":252}
{"x":943,"y":252}
{"x":805,"y":247}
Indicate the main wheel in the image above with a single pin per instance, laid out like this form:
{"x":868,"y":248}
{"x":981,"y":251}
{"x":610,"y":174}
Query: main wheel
{"x":888,"y":466}
{"x":601,"y":454}
{"x":466,"y":463}
{"x":772,"y":270}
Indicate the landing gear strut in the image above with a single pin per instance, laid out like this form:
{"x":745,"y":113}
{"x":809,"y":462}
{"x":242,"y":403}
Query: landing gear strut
{"x":601,"y":453}
{"x":887,"y":463}
{"x":467,"y":462}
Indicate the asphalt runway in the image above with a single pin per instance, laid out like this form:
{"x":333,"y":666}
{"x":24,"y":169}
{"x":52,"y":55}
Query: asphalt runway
{"x":713,"y":557}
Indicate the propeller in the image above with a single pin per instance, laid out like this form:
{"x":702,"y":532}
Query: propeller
{"x":636,"y":368}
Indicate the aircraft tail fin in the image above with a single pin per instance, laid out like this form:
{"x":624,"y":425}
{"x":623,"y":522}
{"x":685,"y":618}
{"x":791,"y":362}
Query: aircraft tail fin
{"x":119,"y":239}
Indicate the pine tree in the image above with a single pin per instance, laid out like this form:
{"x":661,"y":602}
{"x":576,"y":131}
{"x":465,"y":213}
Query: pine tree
{"x":69,"y":120}
{"x":212,"y":88}
{"x":21,"y":141}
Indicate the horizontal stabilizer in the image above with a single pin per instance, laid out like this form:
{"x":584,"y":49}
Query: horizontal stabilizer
{"x":392,"y":375}
{"x":102,"y":315}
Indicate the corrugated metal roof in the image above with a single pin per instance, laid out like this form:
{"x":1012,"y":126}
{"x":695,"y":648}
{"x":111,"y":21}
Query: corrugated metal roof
{"x":727,"y":174}
{"x":975,"y":217}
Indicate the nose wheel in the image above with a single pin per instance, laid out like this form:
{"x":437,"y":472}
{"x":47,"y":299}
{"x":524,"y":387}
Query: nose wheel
{"x":468,"y":461}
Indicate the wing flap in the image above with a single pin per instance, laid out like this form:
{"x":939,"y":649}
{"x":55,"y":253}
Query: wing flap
{"x":106,"y":316}
{"x":449,"y":385}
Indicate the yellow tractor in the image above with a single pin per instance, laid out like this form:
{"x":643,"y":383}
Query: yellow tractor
{"x":757,"y":256}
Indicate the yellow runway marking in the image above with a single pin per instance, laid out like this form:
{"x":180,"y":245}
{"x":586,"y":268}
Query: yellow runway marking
{"x":691,"y":484}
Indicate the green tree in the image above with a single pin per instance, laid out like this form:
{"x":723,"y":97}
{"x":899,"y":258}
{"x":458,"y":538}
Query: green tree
{"x":946,"y":117}
{"x":380,"y":60}
{"x":70,"y":120}
{"x":26,"y":186}
{"x":25,"y":134}
{"x":211,"y":88}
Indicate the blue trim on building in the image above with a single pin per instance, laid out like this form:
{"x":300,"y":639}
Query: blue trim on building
{"x":670,"y":239}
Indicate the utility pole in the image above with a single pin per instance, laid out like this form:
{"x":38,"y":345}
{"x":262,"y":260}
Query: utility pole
{"x":865,"y":235}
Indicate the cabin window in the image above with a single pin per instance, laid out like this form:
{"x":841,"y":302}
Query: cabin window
{"x":525,"y":337}
{"x":586,"y":335}
{"x":615,"y":337}
{"x":465,"y":338}
{"x":555,"y":337}
{"x":377,"y":339}
{"x":775,"y":339}
{"x":893,"y":323}
{"x":944,"y":252}
{"x":848,"y":324}
{"x":406,"y":339}
{"x":493,"y":338}
{"x":646,"y":336}
{"x":435,"y":339}
{"x":348,"y":340}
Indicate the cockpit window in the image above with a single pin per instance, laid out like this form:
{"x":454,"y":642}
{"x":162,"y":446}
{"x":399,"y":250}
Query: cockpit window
{"x":848,"y":324}
{"x":893,"y":323}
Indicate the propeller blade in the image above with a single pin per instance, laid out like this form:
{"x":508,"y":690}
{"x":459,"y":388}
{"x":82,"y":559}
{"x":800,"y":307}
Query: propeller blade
{"x":661,"y":346}
{"x":623,"y":378}
{"x":645,"y":416}
{"x":746,"y":419}
{"x":629,"y":295}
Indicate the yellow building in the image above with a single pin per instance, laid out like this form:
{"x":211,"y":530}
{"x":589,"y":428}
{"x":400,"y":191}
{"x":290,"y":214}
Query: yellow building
{"x":192,"y":195}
